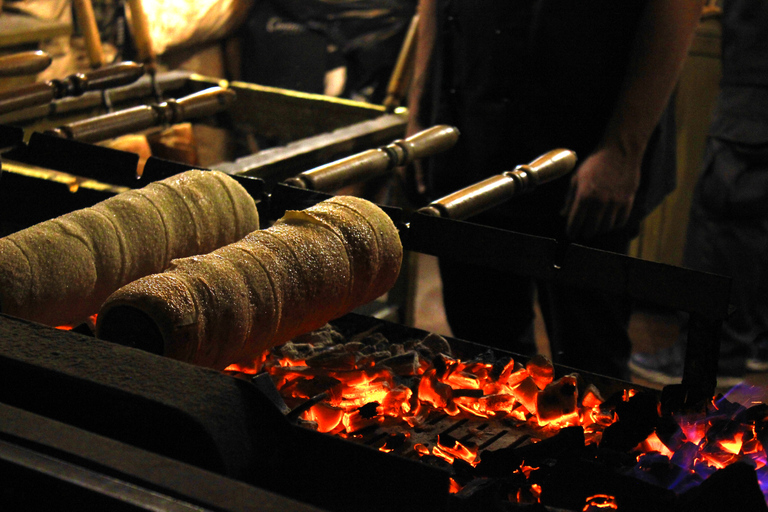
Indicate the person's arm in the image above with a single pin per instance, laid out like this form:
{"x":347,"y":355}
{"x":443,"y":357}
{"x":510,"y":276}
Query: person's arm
{"x":603,"y":187}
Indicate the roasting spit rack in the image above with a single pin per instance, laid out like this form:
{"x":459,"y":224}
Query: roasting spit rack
{"x":432,"y":230}
{"x":277,"y":181}
{"x":436,"y":230}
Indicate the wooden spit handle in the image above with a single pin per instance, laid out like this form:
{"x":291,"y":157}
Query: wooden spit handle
{"x":87,"y":23}
{"x":116,"y":75}
{"x":74,"y":85}
{"x":201,"y":104}
{"x":377,"y":162}
{"x":496,"y":190}
{"x":403,"y":70}
{"x":24,"y":63}
{"x":141,"y":35}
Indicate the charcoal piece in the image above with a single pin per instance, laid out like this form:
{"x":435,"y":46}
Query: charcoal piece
{"x":379,"y":355}
{"x":723,"y":429}
{"x":336,"y":359}
{"x":498,"y":367}
{"x":324,"y":336}
{"x":354,"y":346}
{"x":468,"y":392}
{"x":440,"y":365}
{"x":395,"y":441}
{"x":612,"y":402}
{"x":437,"y":344}
{"x":296,"y":351}
{"x":402,"y":364}
{"x":557,"y":400}
{"x":571,"y":481}
{"x":657,"y":469}
{"x":360,"y":336}
{"x":368,"y":411}
{"x":318,"y":384}
{"x":681,"y":399}
{"x":735,"y":487}
{"x":541,"y":369}
{"x":378,"y":340}
{"x":463,"y":471}
{"x":84,"y":328}
{"x":685,"y":455}
{"x":567,"y":443}
{"x":688,"y":480}
{"x":499,"y":463}
{"x":436,"y":462}
{"x":668,"y":431}
{"x":263,"y":382}
{"x":637,"y":419}
{"x":755,"y":414}
{"x":727,"y":409}
{"x":397,"y":349}
{"x":367,"y":350}
{"x":762,"y":433}
{"x":479,"y":494}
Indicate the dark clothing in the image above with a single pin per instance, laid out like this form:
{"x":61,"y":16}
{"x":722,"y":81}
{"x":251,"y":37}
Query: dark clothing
{"x":728,"y":235}
{"x":293,"y":43}
{"x":728,"y":228}
{"x":745,"y":43}
{"x":519,"y":79}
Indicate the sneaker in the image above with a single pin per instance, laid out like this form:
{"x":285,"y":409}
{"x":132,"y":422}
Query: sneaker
{"x":759,"y":360}
{"x":663,"y":367}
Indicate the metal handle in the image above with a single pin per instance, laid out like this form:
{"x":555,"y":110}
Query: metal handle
{"x":24,"y":63}
{"x":374,"y":163}
{"x":108,"y":126}
{"x":495,"y":190}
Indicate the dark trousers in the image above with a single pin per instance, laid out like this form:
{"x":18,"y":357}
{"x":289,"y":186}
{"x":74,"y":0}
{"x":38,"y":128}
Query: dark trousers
{"x":728,"y":235}
{"x":587,"y":330}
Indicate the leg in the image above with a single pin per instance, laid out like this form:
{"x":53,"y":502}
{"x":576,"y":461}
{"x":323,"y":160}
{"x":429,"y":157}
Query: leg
{"x":488,"y":307}
{"x":588,"y":329}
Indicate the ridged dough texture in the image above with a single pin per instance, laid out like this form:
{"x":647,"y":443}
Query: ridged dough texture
{"x":60,"y":271}
{"x":231,"y":305}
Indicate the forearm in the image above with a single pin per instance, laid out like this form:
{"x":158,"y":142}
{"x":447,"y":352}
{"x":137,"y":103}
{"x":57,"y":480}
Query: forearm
{"x":425,"y":43}
{"x":664,"y":35}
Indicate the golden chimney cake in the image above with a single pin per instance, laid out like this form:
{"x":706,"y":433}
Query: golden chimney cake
{"x":60,"y":271}
{"x":231,"y":305}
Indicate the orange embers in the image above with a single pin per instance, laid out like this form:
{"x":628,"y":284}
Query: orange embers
{"x":707,"y":441}
{"x":90,"y":322}
{"x":600,"y":502}
{"x":361,"y":392}
{"x":368,"y":393}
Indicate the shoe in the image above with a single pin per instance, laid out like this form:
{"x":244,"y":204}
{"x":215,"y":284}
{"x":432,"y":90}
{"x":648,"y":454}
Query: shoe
{"x":663,"y":367}
{"x":759,"y":360}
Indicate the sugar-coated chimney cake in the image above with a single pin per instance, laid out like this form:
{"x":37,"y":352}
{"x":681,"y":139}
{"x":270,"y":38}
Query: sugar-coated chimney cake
{"x":60,"y":271}
{"x":231,"y":305}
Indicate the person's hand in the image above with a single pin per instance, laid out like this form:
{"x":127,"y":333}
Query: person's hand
{"x":601,"y":194}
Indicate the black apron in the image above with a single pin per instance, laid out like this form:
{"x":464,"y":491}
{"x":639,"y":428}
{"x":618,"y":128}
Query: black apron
{"x":519,"y":78}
